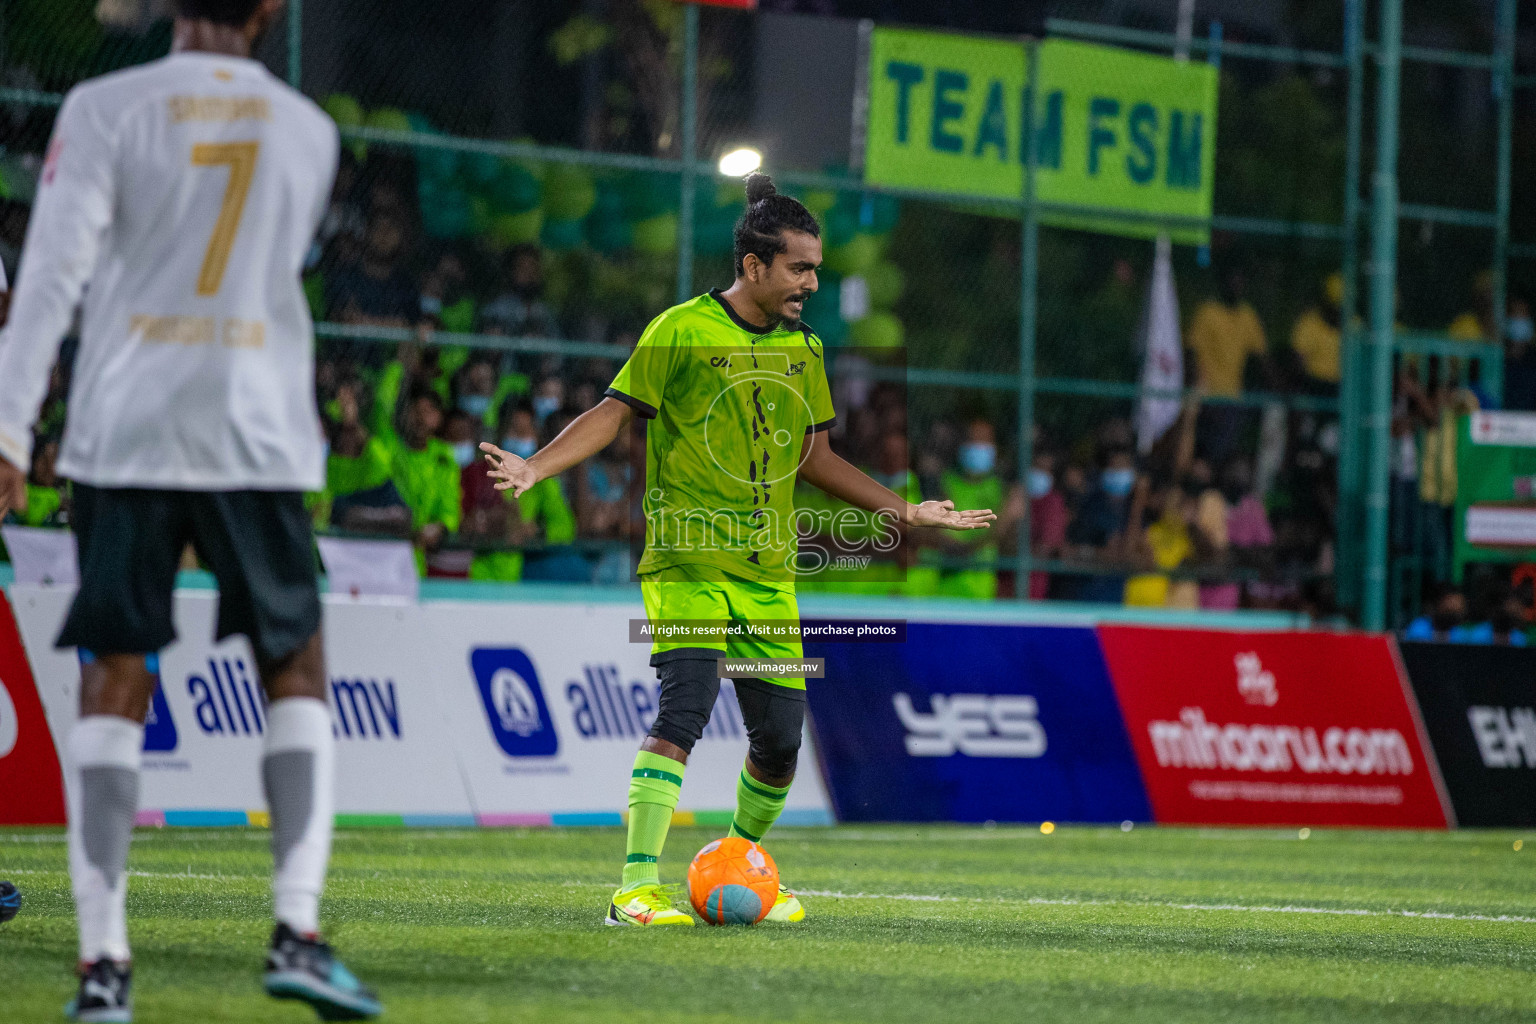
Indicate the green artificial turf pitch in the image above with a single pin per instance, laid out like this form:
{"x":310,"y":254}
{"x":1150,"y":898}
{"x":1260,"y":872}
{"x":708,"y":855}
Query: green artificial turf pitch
{"x":904,"y":924}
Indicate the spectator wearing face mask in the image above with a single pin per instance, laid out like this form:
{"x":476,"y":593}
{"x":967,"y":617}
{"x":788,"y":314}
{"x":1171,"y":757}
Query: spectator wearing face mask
{"x":425,"y":472}
{"x":548,"y":399}
{"x":1519,"y":357}
{"x":1445,"y":621}
{"x":542,"y":514}
{"x":518,"y":309}
{"x":973,"y":484}
{"x":1047,"y":516}
{"x":1098,"y":531}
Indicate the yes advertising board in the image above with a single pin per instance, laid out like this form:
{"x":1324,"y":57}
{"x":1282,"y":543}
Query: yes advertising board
{"x":31,"y":788}
{"x":975,"y":723}
{"x":1274,"y":728}
{"x":1479,"y":705}
{"x":1114,"y":129}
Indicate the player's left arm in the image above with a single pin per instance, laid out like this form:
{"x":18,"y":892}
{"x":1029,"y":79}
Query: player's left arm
{"x":821,"y":466}
{"x":70,"y":217}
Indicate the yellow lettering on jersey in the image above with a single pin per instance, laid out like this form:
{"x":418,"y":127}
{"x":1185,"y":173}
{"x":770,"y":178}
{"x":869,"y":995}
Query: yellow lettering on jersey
{"x":241,"y":158}
{"x":244,"y":333}
{"x":173,"y":330}
{"x":219,"y":108}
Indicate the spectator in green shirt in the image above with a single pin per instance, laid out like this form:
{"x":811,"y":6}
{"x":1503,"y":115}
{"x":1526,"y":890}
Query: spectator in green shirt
{"x":45,"y":495}
{"x":974,"y":484}
{"x":423,"y":470}
{"x":541,"y":514}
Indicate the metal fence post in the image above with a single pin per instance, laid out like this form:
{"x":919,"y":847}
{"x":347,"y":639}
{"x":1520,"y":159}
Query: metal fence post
{"x":1029,"y":272}
{"x":1504,"y":92}
{"x":690,"y":91}
{"x":1347,"y":527}
{"x":1378,"y":421}
{"x":295,"y":42}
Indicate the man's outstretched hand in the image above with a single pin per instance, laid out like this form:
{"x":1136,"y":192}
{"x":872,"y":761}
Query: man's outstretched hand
{"x":13,"y":489}
{"x":510,"y":472}
{"x":943,"y":514}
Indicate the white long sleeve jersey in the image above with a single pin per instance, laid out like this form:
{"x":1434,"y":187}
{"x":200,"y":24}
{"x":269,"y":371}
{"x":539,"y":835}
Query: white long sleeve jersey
{"x":181,"y":197}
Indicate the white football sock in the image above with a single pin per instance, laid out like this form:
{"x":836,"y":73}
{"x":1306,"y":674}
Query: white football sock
{"x":103,"y":796}
{"x":298,"y":774}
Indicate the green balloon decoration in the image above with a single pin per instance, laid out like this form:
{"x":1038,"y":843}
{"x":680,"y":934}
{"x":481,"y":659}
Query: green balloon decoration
{"x":838,"y":226}
{"x":448,"y":215}
{"x":481,"y":169}
{"x":569,"y":193}
{"x":515,"y":190}
{"x":517,"y":228}
{"x":347,"y":113}
{"x":656,"y":235}
{"x":609,"y":235}
{"x":647,"y":194}
{"x":885,"y":211}
{"x":855,"y":256}
{"x":480,"y":214}
{"x":561,"y":235}
{"x":389,"y":119}
{"x":878,"y":330}
{"x":819,"y":201}
{"x":344,"y":109}
{"x":886,"y":283}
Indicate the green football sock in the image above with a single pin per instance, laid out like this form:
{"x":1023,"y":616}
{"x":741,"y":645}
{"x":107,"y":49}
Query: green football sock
{"x":654,"y":787}
{"x":758,"y":806}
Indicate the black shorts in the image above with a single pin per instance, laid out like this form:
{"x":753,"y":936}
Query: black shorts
{"x":258,"y":544}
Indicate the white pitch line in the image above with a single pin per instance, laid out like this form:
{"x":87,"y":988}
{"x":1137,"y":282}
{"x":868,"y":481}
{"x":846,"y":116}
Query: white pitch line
{"x":1033,"y":901}
{"x":1040,"y":901}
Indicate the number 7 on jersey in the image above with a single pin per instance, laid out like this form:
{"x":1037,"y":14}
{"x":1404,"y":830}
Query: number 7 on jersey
{"x":241,"y":159}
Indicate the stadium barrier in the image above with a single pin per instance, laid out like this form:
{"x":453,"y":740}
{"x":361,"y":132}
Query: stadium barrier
{"x":1285,"y":728}
{"x":527,"y":712}
{"x":446,"y":713}
{"x":31,"y":788}
{"x":1480,"y":710}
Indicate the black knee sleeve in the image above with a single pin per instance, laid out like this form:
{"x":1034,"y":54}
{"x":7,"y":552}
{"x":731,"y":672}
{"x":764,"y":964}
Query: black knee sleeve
{"x":775,"y":721}
{"x":689,"y":687}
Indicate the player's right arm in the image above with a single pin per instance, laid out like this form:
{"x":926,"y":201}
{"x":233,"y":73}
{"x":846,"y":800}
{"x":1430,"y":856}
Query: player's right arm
{"x":583,"y":438}
{"x":638,"y":388}
{"x":70,"y":217}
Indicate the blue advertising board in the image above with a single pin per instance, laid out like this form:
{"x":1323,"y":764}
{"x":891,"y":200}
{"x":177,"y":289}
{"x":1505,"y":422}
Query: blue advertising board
{"x":974,"y":723}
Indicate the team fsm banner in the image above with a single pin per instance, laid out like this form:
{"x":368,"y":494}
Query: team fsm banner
{"x":975,"y":723}
{"x":1286,"y":728}
{"x":1114,"y":130}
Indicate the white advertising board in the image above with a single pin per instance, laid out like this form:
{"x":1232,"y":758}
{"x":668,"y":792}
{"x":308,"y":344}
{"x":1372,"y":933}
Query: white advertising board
{"x":548,"y":703}
{"x":445,"y":713}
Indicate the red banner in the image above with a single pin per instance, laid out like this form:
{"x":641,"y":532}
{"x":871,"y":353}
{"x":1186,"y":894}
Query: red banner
{"x":31,"y":788}
{"x":1274,"y":728}
{"x":740,"y":5}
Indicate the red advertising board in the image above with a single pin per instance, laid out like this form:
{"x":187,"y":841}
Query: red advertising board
{"x":31,"y":788}
{"x":1274,"y":728}
{"x":741,"y":5}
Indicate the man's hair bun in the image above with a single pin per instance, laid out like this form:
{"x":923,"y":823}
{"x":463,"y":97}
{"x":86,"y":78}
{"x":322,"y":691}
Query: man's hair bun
{"x":760,"y":187}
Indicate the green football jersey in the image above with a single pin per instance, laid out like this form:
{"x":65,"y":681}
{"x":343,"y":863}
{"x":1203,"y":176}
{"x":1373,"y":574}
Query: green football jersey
{"x":730,"y":406}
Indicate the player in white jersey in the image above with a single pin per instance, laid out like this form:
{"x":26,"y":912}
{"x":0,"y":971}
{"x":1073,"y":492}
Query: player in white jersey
{"x":180,"y":198}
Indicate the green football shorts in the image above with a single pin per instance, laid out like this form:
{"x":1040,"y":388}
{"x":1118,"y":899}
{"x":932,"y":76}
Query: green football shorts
{"x":685,"y":593}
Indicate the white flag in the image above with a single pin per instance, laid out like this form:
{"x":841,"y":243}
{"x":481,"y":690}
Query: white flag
{"x":1162,"y":367}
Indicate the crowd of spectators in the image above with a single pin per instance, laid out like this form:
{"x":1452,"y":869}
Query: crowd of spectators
{"x":1232,"y":507}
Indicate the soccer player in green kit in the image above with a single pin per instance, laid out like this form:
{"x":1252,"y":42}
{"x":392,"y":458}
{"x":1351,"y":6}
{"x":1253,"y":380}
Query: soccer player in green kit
{"x":734,"y":389}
